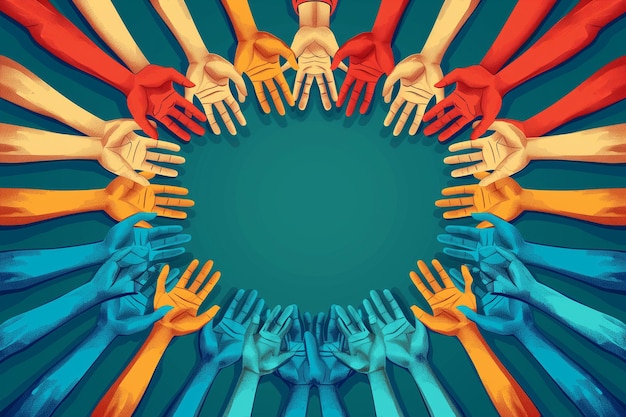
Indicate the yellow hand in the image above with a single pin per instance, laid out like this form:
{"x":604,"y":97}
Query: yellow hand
{"x":446,"y":318}
{"x":125,"y":198}
{"x":183,"y":318}
{"x":504,"y":152}
{"x":502,"y":198}
{"x":417,"y":76}
{"x":259,"y":57}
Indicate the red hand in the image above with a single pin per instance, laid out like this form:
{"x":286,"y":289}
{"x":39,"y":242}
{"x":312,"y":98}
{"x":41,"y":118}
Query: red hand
{"x":476,"y":95}
{"x":153,"y":94}
{"x":369,"y":60}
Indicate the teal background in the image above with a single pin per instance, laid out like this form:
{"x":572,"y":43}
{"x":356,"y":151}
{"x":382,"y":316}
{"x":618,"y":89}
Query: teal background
{"x":312,"y":208}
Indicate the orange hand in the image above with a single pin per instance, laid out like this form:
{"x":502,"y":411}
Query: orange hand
{"x":122,"y":399}
{"x":505,"y":393}
{"x":502,"y":198}
{"x":125,"y":198}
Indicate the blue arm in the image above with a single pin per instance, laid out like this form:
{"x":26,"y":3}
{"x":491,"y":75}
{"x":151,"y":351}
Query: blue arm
{"x":189,"y":401}
{"x":330,"y":402}
{"x":45,"y":395}
{"x":590,"y":397}
{"x":25,"y":268}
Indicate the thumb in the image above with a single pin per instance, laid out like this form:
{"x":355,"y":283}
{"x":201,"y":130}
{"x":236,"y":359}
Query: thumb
{"x":389,"y":82}
{"x":427,"y":319}
{"x":128,"y":172}
{"x":143,"y":322}
{"x":344,"y":357}
{"x":493,"y":177}
{"x":145,"y":124}
{"x":449,"y":79}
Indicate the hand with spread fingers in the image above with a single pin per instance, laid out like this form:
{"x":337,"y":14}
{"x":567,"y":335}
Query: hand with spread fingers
{"x":125,"y":198}
{"x":262,"y":355}
{"x":417,"y":76}
{"x":502,"y":198}
{"x":504,"y":153}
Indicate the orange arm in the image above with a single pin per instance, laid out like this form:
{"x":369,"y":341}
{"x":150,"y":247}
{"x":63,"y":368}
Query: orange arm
{"x":505,"y":393}
{"x":19,"y":206}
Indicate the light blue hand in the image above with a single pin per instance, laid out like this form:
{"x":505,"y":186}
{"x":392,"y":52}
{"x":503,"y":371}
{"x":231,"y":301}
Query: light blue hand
{"x":508,"y":316}
{"x":119,"y":316}
{"x":220,"y":346}
{"x":113,"y":279}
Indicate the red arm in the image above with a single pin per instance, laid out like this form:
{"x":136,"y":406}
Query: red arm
{"x":331,"y":3}
{"x":568,"y":37}
{"x":521,"y":24}
{"x":602,"y":89}
{"x":59,"y":36}
{"x":389,"y":14}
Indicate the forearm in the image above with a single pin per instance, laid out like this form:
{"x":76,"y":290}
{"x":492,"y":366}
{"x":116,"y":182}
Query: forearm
{"x":60,"y":37}
{"x":45,"y":395}
{"x":242,"y":401}
{"x":24,"y":268}
{"x":506,"y":394}
{"x":21,"y":206}
{"x":330,"y":403}
{"x":297,"y":402}
{"x":241,"y":18}
{"x":104,"y":19}
{"x":451,"y":18}
{"x":180,"y":22}
{"x":590,"y":397}
{"x":189,"y":400}
{"x":389,"y":14}
{"x":385,"y":401}
{"x":23,"y":88}
{"x":604,"y":206}
{"x":521,"y":24}
{"x":601,"y":145}
{"x":607,"y":87}
{"x":568,"y":37}
{"x":605,"y":331}
{"x":20,"y":331}
{"x":123,"y":397}
{"x":601,"y":268}
{"x":23,"y":144}
{"x":437,"y":400}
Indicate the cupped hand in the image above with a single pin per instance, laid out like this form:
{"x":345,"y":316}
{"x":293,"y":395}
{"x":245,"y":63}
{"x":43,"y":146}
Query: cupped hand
{"x":259,"y":57}
{"x":508,"y":275}
{"x":124,"y":151}
{"x":184,"y":318}
{"x":501,"y":198}
{"x":153,"y":94}
{"x":125,"y":198}
{"x":369,"y":58}
{"x":211,"y":76}
{"x":443,"y":300}
{"x":476,"y":95}
{"x":296,"y":370}
{"x":504,"y":153}
{"x":418,"y":76}
{"x":116,"y":276}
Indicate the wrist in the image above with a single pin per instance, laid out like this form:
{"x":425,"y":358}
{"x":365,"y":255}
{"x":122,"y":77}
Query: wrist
{"x":92,"y":148}
{"x":127,"y":83}
{"x":525,"y":334}
{"x":103,"y":333}
{"x":418,"y":368}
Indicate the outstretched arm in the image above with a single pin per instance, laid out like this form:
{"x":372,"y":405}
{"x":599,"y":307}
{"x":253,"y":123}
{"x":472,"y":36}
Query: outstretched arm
{"x":104,"y":18}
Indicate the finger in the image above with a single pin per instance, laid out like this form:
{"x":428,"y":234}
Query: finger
{"x":282,"y":83}
{"x":203,"y":319}
{"x":464,"y":230}
{"x":228,"y":122}
{"x":460,"y":213}
{"x":168,"y":189}
{"x":306,"y":91}
{"x":389,"y":82}
{"x":182,"y":282}
{"x":175,"y":129}
{"x":138,"y":217}
{"x":458,"y":242}
{"x":430,"y":278}
{"x":253,"y":328}
{"x":160,"y":286}
{"x":126,"y":171}
{"x":465,"y":171}
{"x":419,"y":284}
{"x":312,"y":350}
{"x":493,"y":177}
{"x":186,"y":121}
{"x":170,"y":213}
{"x":464,"y":158}
{"x":404,"y":116}
{"x":297,"y":86}
{"x":354,"y":97}
{"x":142,"y":121}
{"x":230,"y":310}
{"x":367,"y":98}
{"x":208,"y":287}
{"x":455,"y":202}
{"x":356,"y":318}
{"x":347,"y":326}
{"x":323,"y":93}
{"x":204,"y":272}
{"x":460,"y":189}
{"x":427,"y":319}
{"x":283,"y":323}
{"x":445,"y":278}
{"x":332,"y":85}
{"x":208,"y":110}
{"x":442,"y":121}
{"x":269,"y":320}
{"x":247,"y":306}
{"x":393,"y":109}
{"x":236,"y":109}
{"x":469,"y":280}
{"x":278,"y":103}
{"x":395,"y":307}
{"x":369,"y":309}
{"x":332,"y":331}
{"x":164,"y":158}
{"x":260,"y":93}
{"x":141,"y":323}
{"x":417,"y":121}
{"x":173,"y":202}
{"x":468,"y":144}
{"x":345,"y":89}
{"x":454,"y":128}
{"x":178,"y":239}
{"x":380,"y":306}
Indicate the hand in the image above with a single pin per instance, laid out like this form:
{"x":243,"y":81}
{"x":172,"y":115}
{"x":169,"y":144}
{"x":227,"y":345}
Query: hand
{"x":502,"y":198}
{"x":404,"y":344}
{"x":366,"y":350}
{"x":211,"y":76}
{"x":125,"y":198}
{"x":504,"y":153}
{"x":444,"y":301}
{"x":314,"y":47}
{"x":128,"y":314}
{"x":508,"y":274}
{"x":259,"y":58}
{"x":369,"y":60}
{"x":476,"y":95}
{"x":417,"y":76}
{"x":153,"y":95}
{"x":116,"y":276}
{"x":295,"y":371}
{"x":321,"y":346}
{"x":465,"y":242}
{"x":222,"y":344}
{"x":261,"y":351}
{"x":125,"y":234}
{"x":184,"y":317}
